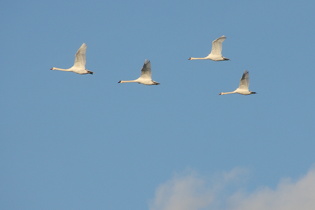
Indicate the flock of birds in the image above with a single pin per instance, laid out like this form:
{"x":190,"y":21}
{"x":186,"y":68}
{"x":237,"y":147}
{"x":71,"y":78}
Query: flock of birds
{"x":146,"y":75}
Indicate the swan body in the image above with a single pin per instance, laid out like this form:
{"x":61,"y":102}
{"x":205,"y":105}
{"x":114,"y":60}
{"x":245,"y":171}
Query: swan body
{"x":216,"y":51}
{"x":145,"y":77}
{"x":243,"y":87}
{"x":79,"y":62}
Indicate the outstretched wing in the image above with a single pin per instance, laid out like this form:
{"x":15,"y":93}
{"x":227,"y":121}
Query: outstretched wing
{"x":244,"y":83}
{"x":80,"y":58}
{"x":217,"y":46}
{"x":146,"y":70}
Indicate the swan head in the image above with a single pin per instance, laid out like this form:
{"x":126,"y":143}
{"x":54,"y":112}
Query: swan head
{"x":90,"y":72}
{"x":53,"y":68}
{"x":253,"y":93}
{"x":221,"y":93}
{"x":226,"y":59}
{"x":119,"y":81}
{"x":189,"y":58}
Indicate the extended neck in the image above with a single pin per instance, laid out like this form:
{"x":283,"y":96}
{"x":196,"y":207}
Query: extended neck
{"x":191,"y":58}
{"x":126,"y":81}
{"x":54,"y":68}
{"x":225,"y":93}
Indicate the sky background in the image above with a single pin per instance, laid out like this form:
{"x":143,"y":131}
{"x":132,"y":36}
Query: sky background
{"x":72,"y":141}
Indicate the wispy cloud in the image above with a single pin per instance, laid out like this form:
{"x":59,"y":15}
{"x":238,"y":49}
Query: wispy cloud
{"x":182,"y":192}
{"x":190,"y":191}
{"x":288,"y":195}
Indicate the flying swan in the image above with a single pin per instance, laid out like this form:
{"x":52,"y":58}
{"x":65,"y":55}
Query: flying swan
{"x":216,"y":51}
{"x":79,"y":62}
{"x":145,"y":77}
{"x":243,"y":87}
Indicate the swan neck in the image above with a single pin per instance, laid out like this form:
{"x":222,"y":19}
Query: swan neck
{"x":55,"y":68}
{"x":126,"y":81}
{"x":197,"y":58}
{"x":225,"y":93}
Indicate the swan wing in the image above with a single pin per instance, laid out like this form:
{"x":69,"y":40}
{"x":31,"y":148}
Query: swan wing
{"x":217,"y":46}
{"x":244,"y":82}
{"x":80,"y":58}
{"x":146,"y":70}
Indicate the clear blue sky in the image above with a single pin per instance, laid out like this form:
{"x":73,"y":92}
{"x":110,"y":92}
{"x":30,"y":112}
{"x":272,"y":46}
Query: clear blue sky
{"x":72,"y":141}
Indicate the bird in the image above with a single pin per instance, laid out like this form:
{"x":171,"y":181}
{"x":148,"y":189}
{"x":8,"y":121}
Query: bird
{"x":216,"y":51}
{"x":145,"y":77}
{"x":79,"y":62}
{"x":243,"y":87}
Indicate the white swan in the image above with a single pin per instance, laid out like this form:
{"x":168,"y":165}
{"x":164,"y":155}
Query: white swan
{"x":145,"y":77}
{"x":79,"y":62}
{"x":216,"y":51}
{"x":243,"y":87}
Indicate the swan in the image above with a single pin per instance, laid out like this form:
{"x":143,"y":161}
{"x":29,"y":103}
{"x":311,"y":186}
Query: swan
{"x":145,"y":77}
{"x":216,"y":51}
{"x":243,"y":87}
{"x":79,"y":62}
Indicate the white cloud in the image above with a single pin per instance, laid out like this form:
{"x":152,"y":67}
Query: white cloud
{"x":288,"y":195}
{"x":191,"y":192}
{"x":182,"y":193}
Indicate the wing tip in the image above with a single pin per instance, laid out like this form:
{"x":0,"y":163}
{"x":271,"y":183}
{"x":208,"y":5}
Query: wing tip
{"x":83,"y":45}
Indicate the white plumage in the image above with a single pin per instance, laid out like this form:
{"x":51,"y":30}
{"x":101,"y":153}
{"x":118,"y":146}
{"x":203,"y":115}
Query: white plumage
{"x":145,"y":77}
{"x":216,"y":51}
{"x":243,"y":88}
{"x":79,"y":62}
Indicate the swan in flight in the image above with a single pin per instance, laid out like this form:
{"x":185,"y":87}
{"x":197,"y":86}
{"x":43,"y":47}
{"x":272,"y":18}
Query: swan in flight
{"x":79,"y":62}
{"x":243,"y":87}
{"x":216,"y":51}
{"x":145,"y":77}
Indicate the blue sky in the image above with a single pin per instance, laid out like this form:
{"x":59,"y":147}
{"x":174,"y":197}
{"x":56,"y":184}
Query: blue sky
{"x":72,"y":141}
